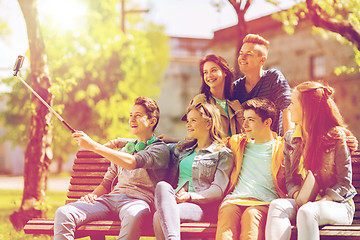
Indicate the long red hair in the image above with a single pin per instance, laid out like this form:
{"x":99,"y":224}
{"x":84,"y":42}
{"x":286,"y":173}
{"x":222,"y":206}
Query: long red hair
{"x":321,"y":121}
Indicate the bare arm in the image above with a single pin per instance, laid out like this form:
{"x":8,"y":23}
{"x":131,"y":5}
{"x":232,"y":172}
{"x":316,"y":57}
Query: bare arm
{"x":112,"y":144}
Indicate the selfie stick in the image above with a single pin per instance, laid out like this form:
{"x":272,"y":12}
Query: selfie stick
{"x":17,"y":66}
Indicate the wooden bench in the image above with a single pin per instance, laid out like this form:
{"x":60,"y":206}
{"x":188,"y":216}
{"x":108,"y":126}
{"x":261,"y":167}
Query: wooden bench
{"x":89,"y":169}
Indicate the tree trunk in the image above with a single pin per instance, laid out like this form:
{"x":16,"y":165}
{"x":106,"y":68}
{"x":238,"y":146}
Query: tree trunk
{"x":241,"y":33}
{"x":240,"y":8}
{"x":38,"y":153}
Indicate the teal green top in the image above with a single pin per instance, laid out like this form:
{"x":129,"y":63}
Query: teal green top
{"x":185,"y":172}
{"x":223,"y":104}
{"x":255,"y":179}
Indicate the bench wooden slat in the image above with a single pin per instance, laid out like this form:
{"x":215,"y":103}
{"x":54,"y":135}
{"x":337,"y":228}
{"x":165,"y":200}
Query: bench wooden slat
{"x":85,"y":181}
{"x":91,"y":167}
{"x":82,"y":188}
{"x":46,"y":226}
{"x":70,"y":200}
{"x":92,"y":161}
{"x":87,"y":154}
{"x":77,"y":195}
{"x":39,"y":229}
{"x":88,"y":172}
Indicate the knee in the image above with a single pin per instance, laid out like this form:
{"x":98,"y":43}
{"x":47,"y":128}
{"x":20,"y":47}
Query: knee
{"x":162,"y":187}
{"x":278,"y":206}
{"x":62,"y":213}
{"x":229,"y":212}
{"x":163,"y":191}
{"x":305,"y":213}
{"x":136,"y":216}
{"x":227,"y":208}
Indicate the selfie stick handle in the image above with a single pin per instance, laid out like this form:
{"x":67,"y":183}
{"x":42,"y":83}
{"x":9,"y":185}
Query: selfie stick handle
{"x":45,"y":103}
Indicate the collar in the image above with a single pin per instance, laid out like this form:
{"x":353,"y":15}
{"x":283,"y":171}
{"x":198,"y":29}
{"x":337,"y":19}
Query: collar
{"x":211,"y":148}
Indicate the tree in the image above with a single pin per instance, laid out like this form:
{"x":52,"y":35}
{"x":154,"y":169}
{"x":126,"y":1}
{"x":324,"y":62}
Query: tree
{"x":97,"y":71}
{"x":339,"y":19}
{"x":38,"y":152}
{"x":240,"y":7}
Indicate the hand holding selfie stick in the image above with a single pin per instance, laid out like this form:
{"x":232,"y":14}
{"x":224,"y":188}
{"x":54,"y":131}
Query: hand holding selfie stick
{"x":17,"y":66}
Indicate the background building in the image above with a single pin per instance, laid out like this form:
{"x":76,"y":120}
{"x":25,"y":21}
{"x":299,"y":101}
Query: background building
{"x":302,"y":56}
{"x":182,"y":81}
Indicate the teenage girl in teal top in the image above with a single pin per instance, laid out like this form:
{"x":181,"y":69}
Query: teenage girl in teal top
{"x":216,"y":88}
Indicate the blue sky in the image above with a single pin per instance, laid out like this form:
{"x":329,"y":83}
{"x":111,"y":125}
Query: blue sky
{"x":186,"y":18}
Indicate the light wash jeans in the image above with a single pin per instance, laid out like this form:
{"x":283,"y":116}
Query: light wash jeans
{"x":169,"y":214}
{"x":132,"y":212}
{"x":309,"y":217}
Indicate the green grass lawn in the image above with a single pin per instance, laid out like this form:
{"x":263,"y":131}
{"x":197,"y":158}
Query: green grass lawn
{"x":10,"y":201}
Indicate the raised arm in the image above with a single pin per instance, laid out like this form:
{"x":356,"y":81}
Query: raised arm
{"x":122,"y":159}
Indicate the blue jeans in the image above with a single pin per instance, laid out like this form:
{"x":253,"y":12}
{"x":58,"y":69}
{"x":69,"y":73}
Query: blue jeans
{"x":169,"y":214}
{"x":132,"y":212}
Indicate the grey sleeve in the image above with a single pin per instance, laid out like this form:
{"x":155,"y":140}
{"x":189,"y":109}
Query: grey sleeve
{"x":293,"y":181}
{"x":343,"y":189}
{"x":154,"y":156}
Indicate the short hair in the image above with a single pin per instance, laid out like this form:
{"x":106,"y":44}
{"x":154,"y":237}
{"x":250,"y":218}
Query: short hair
{"x":257,"y":39}
{"x":263,"y":107}
{"x":151,"y":108}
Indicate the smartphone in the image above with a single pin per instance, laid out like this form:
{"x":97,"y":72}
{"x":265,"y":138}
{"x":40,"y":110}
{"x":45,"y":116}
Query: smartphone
{"x":18,"y":64}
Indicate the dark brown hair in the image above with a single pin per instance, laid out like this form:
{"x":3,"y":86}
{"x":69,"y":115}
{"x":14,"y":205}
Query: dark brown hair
{"x":229,"y":78}
{"x":151,"y":108}
{"x":263,"y":107}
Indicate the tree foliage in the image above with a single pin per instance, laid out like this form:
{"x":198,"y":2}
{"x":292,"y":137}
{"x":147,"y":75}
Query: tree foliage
{"x":97,"y":71}
{"x":331,"y":18}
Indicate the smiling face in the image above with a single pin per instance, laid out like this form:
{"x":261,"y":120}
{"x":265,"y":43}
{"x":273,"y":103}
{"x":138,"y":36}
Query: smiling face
{"x":196,"y":125}
{"x":254,"y":127}
{"x":139,"y":122}
{"x":251,"y":57}
{"x":214,"y":77}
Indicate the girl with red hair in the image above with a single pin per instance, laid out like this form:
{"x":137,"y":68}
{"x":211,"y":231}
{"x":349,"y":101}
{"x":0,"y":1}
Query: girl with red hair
{"x":317,"y":147}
